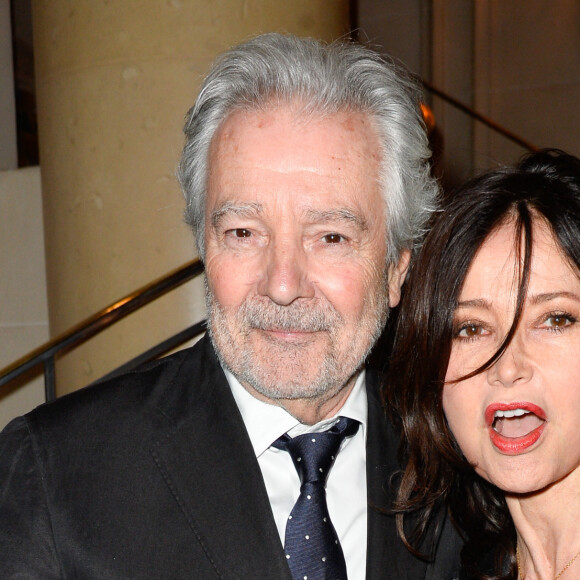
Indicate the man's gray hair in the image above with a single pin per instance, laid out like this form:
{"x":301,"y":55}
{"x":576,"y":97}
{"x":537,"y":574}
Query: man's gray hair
{"x":274,"y":70}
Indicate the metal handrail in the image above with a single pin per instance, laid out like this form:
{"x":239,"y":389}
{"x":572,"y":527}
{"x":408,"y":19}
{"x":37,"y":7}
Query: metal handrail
{"x":481,"y":118}
{"x":46,"y":354}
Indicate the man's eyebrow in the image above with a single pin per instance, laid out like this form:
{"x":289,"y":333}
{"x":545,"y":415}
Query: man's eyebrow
{"x":339,"y":215}
{"x":233,"y":208}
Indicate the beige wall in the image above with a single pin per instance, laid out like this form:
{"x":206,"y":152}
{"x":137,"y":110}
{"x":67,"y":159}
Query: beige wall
{"x":8,"y":152}
{"x":515,"y":62}
{"x":114,"y":80}
{"x":527,"y":71}
{"x":23,"y":308}
{"x":399,"y":27}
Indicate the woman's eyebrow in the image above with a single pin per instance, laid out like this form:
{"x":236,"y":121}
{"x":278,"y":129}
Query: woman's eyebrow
{"x":547,"y":296}
{"x":474,"y":303}
{"x":533,"y":299}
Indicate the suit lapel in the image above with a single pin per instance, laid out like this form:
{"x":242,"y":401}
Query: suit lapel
{"x":208,"y":462}
{"x":387,"y":557}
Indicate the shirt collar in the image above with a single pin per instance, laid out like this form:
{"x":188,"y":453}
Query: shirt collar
{"x":265,"y":422}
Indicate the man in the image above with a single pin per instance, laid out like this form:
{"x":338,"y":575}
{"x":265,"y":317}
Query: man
{"x":306,"y":179}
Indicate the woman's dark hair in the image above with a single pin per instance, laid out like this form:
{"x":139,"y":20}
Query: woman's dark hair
{"x":544,"y":187}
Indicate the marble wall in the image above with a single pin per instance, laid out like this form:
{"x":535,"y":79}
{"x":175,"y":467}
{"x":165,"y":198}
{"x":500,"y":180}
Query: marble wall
{"x":23,"y":305}
{"x":516,"y":63}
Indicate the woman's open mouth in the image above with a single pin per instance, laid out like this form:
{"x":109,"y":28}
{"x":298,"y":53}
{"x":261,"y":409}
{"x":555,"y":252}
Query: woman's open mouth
{"x":514,"y":427}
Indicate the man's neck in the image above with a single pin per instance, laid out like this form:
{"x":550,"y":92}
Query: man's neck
{"x":310,"y":411}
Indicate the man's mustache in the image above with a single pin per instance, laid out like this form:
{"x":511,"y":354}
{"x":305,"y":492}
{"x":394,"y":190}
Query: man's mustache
{"x":298,"y":316}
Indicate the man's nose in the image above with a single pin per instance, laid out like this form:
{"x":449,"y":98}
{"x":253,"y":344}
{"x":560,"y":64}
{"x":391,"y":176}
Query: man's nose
{"x":286,"y":273}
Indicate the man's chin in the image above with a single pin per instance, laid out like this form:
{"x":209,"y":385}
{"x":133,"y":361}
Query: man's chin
{"x":274,"y":385}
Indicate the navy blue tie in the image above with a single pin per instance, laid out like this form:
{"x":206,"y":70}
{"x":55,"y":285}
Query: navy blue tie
{"x":311,"y":545}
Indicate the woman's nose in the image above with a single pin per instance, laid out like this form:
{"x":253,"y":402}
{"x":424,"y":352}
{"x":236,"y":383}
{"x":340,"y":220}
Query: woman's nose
{"x":513,"y":367}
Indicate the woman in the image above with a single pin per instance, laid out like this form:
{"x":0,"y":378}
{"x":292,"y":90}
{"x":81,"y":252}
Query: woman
{"x":485,"y":373}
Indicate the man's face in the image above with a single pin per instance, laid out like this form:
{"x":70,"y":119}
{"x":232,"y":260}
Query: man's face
{"x":295,"y":254}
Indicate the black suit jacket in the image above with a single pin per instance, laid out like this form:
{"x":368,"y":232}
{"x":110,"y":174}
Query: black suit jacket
{"x":152,"y":475}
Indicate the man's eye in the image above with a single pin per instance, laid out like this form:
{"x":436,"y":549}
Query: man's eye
{"x":333,"y":238}
{"x":239,"y":233}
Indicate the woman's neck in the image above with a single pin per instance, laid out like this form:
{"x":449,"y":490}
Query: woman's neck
{"x":548,"y":530}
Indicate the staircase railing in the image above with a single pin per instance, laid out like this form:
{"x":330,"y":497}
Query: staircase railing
{"x":481,"y":118}
{"x":46,"y":354}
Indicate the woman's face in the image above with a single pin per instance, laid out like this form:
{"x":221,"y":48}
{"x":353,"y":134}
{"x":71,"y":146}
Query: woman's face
{"x":518,"y":421}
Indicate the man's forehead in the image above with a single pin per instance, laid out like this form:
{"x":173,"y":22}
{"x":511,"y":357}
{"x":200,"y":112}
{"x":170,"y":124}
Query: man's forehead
{"x":262,"y":163}
{"x":343,"y":146}
{"x":298,"y":115}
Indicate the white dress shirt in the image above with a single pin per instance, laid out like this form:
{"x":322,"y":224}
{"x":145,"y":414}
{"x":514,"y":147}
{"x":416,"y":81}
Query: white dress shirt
{"x":346,"y":487}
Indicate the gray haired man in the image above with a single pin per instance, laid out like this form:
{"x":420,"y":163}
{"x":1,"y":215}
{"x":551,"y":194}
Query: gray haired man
{"x":263,"y":452}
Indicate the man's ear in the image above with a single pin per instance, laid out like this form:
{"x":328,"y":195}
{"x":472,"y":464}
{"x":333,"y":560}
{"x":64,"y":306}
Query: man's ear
{"x":397,"y":273}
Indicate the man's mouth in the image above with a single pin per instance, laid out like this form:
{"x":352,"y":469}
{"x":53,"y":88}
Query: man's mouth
{"x":288,"y":336}
{"x":287,"y":331}
{"x":514,"y":427}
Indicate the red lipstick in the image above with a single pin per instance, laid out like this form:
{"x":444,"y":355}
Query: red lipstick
{"x":516,"y":444}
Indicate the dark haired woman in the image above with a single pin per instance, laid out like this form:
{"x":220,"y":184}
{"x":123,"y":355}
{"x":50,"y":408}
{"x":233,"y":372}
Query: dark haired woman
{"x":485,"y":373}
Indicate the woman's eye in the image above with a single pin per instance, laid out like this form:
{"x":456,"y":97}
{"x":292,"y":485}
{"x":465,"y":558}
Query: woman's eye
{"x":333,"y":238}
{"x":558,"y":321}
{"x":470,"y":330}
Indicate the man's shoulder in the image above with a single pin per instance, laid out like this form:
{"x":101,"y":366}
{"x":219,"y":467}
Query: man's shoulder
{"x":145,"y":395}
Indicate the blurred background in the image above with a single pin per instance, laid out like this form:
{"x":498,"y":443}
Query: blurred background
{"x":93,"y":95}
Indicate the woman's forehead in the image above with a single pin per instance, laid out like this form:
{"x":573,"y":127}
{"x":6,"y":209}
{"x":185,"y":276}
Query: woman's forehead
{"x":497,"y":266}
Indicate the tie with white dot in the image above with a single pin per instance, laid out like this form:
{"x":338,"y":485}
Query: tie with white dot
{"x":311,"y":545}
